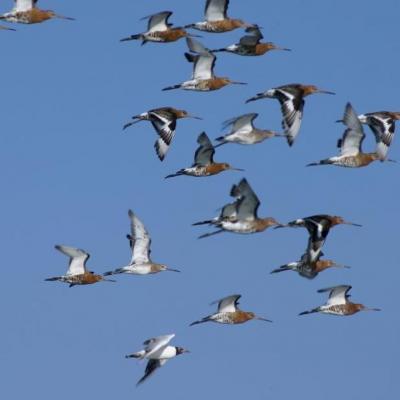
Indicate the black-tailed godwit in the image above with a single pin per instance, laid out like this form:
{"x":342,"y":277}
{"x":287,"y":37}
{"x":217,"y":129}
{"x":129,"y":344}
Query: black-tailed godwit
{"x":139,"y":240}
{"x":204,"y":164}
{"x":291,"y":99}
{"x":338,"y":302}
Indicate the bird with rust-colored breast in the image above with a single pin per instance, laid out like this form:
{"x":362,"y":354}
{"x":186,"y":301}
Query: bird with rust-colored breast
{"x":350,"y":145}
{"x":204,"y":164}
{"x":217,"y":20}
{"x":229,"y":313}
{"x":157,"y":351}
{"x":291,"y":98}
{"x":243,"y":131}
{"x":159,"y":30}
{"x":26,"y":12}
{"x":203,"y":78}
{"x":310,"y":263}
{"x":139,"y":241}
{"x":251,"y":45}
{"x":240,"y":216}
{"x":163,"y":120}
{"x":338,"y":303}
{"x":77,"y":273}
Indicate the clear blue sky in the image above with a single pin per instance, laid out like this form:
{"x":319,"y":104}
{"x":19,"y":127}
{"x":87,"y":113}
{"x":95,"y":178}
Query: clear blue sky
{"x":69,"y":175}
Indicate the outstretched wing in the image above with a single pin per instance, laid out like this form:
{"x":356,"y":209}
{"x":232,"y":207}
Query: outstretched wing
{"x":337,"y":294}
{"x":165,"y":124}
{"x":253,"y":39}
{"x":382,"y":125}
{"x":350,"y":144}
{"x":216,"y":10}
{"x":140,"y":240}
{"x":292,"y":107}
{"x":228,"y":304}
{"x":158,"y":22}
{"x":77,"y":259}
{"x":248,"y":203}
{"x":205,"y":152}
{"x":156,"y":343}
{"x":243,"y":123}
{"x":151,"y":367}
{"x":24,"y":5}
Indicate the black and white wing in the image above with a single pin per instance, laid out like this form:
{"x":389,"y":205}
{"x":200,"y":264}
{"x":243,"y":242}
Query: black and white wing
{"x":204,"y":154}
{"x":151,"y":367}
{"x":77,"y":259}
{"x":155,"y":344}
{"x":292,"y":106}
{"x":228,"y":304}
{"x":350,"y":144}
{"x":139,"y":240}
{"x":164,"y":123}
{"x":337,"y":294}
{"x":216,"y":10}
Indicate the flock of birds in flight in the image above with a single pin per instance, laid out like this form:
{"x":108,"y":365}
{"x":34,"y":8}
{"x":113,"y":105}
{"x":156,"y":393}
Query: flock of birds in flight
{"x":240,"y":215}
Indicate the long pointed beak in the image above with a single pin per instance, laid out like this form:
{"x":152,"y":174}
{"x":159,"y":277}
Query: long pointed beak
{"x":238,"y":83}
{"x":371,"y":309}
{"x":256,"y":97}
{"x":263,"y":319}
{"x":341,"y":266}
{"x":172,"y":270}
{"x":193,"y":116}
{"x":235,"y":169}
{"x":281,"y":226}
{"x":325,"y":92}
{"x":63,"y":17}
{"x":351,"y":223}
{"x":108,"y":280}
{"x":391,"y":160}
{"x":281,"y":48}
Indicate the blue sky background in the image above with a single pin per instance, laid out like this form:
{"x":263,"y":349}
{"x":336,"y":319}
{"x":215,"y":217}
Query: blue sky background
{"x":69,"y":174}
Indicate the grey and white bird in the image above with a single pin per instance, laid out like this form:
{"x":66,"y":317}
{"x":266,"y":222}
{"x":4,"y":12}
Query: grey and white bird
{"x":141,"y":263}
{"x":291,"y":99}
{"x":350,"y":145}
{"x":158,"y":351}
{"x":204,"y":164}
{"x":203,"y":78}
{"x":77,"y":273}
{"x":338,"y":302}
{"x":243,"y":131}
{"x":242,"y":214}
{"x":229,"y":313}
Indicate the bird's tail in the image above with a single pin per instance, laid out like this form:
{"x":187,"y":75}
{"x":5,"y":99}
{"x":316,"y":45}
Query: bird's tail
{"x":172,"y":87}
{"x":115,"y":272}
{"x":200,"y":321}
{"x":179,"y":173}
{"x":327,"y":161}
{"x":314,"y":310}
{"x":132,"y":37}
{"x":206,"y":222}
{"x":281,"y":269}
{"x":218,"y":50}
{"x":139,"y":355}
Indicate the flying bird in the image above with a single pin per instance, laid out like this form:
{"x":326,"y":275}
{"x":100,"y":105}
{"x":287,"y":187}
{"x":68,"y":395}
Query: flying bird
{"x":291,"y":99}
{"x":251,"y":45}
{"x":244,"y":132}
{"x":242,"y":214}
{"x":139,"y":240}
{"x":164,"y":122}
{"x":216,"y":19}
{"x":159,"y":30}
{"x":338,"y":302}
{"x":158,"y":351}
{"x":382,"y":124}
{"x":204,"y":164}
{"x":350,"y":145}
{"x":229,"y":313}
{"x":203,"y":78}
{"x":77,"y":273}
{"x":26,"y":12}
